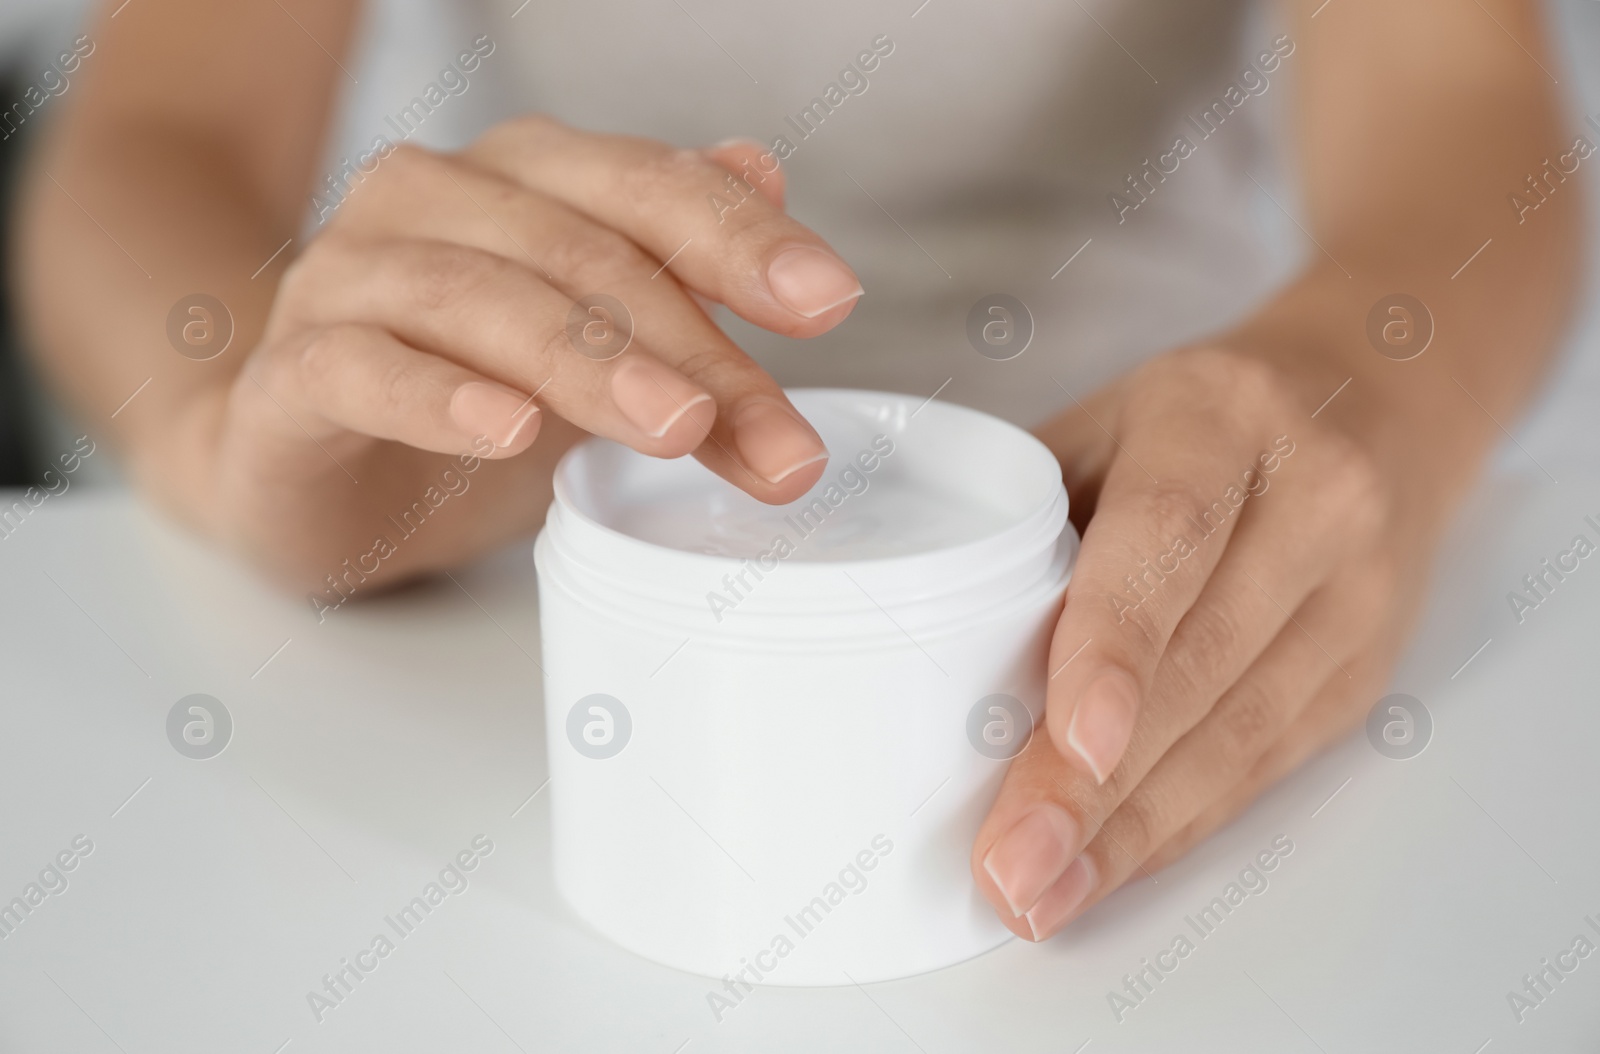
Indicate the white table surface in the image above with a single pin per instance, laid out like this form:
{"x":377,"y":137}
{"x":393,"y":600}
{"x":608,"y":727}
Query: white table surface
{"x":370,"y":749}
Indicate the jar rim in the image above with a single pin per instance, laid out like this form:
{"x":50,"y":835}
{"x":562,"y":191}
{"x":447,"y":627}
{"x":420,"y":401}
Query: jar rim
{"x":616,"y":561}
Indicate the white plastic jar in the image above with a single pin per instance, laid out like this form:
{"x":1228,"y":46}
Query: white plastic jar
{"x":774,"y":730}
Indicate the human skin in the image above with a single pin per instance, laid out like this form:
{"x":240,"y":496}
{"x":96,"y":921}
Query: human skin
{"x":452,"y":274}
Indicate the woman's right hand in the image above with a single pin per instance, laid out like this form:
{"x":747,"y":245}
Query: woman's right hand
{"x":440,"y":305}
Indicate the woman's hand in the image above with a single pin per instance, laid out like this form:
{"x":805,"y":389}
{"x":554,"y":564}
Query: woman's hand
{"x":1199,"y":658}
{"x":1242,"y":590}
{"x":438,"y":313}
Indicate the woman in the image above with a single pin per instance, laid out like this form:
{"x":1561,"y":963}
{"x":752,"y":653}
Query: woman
{"x":392,"y":307}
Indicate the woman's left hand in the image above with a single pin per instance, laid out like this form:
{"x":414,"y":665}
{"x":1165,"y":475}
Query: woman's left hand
{"x":1243,"y":588}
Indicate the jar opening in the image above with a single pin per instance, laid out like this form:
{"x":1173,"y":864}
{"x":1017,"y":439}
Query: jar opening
{"x":929,"y":510}
{"x":904,"y":478}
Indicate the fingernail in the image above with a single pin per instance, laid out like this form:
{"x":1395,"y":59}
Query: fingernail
{"x":655,"y":397}
{"x":1031,"y":856}
{"x":809,"y":281}
{"x":1059,"y":902}
{"x":499,"y":414}
{"x":774,"y":443}
{"x":1102,"y":724}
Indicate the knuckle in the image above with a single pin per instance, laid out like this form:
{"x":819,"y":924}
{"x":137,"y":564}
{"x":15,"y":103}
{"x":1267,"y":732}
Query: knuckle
{"x":383,"y":189}
{"x":390,"y":387}
{"x":323,"y":353}
{"x":1204,"y":364}
{"x":1137,"y":822}
{"x":1144,"y":627}
{"x":664,"y":172}
{"x":522,"y":129}
{"x":1215,"y":628}
{"x":1254,"y":381}
{"x":757,"y":227}
{"x":296,"y":278}
{"x":1257,"y":384}
{"x":407,"y":172}
{"x":1246,"y":724}
{"x":519,"y":138}
{"x":408,"y":157}
{"x":533,"y":123}
{"x":1244,"y":381}
{"x":274,"y":365}
{"x":305,"y":275}
{"x":555,"y":349}
{"x":1349,"y":480}
{"x":1165,"y":512}
{"x":594,"y":257}
{"x":1167,"y":507}
{"x":715,"y":369}
{"x":1210,"y":631}
{"x":444,"y":274}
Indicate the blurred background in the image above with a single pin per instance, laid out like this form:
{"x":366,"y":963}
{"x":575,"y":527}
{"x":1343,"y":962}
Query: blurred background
{"x":28,"y":29}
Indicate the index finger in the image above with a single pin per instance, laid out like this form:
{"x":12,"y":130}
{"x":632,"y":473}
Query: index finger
{"x":714,"y":229}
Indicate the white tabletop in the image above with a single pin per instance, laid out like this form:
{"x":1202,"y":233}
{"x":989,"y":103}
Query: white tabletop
{"x":367,"y":751}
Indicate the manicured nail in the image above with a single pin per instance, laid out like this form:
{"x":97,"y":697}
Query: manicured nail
{"x":1061,"y":900}
{"x":1102,"y":724}
{"x":489,"y":410}
{"x":1031,"y":856}
{"x":809,"y":281}
{"x":773,"y":442}
{"x":655,"y":397}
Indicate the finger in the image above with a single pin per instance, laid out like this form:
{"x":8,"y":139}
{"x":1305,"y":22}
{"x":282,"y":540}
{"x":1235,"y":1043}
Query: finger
{"x":754,"y":169}
{"x":1171,"y":499}
{"x":1338,"y":708}
{"x":362,"y":379}
{"x":768,"y":268}
{"x":758,"y":441}
{"x":492,"y":316}
{"x":1104,"y":849}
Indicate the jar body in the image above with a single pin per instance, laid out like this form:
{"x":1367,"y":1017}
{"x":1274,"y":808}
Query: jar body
{"x":804,"y":815}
